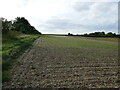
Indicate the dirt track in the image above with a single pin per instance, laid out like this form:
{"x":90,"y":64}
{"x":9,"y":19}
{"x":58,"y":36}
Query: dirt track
{"x":48,"y":66}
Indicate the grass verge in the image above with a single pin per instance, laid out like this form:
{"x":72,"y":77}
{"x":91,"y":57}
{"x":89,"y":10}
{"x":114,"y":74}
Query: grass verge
{"x":11,"y":50}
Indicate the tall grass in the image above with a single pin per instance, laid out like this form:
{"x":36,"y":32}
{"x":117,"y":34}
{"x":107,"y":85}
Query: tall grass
{"x":12,"y":49}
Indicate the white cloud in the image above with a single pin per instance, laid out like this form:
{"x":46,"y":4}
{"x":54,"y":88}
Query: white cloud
{"x":63,"y":16}
{"x":94,"y":17}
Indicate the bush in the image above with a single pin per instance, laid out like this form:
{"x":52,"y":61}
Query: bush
{"x":10,"y":35}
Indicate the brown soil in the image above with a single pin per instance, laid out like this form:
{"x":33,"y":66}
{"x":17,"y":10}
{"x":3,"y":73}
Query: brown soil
{"x":48,"y":66}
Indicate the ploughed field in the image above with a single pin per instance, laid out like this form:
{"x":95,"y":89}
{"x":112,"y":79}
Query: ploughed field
{"x":67,"y":62}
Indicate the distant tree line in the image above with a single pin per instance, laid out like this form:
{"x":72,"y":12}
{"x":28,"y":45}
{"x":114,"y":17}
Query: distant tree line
{"x":69,"y":34}
{"x":20,"y":24}
{"x":98,"y":34}
{"x":101,"y":34}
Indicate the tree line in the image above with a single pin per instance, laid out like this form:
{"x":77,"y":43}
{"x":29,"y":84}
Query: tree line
{"x":20,"y":24}
{"x":97,"y":34}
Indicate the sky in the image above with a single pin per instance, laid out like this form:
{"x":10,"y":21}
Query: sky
{"x":64,"y":16}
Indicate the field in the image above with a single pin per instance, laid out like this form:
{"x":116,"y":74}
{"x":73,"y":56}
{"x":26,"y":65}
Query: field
{"x":67,"y":62}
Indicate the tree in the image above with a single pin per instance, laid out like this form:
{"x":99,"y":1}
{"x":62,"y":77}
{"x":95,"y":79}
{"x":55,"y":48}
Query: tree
{"x":96,"y":34}
{"x":69,"y":34}
{"x":110,"y":34}
{"x":6,"y":26}
{"x":22,"y":25}
{"x":85,"y":34}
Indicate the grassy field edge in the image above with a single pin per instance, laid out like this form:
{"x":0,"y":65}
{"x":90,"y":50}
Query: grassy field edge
{"x":11,"y":50}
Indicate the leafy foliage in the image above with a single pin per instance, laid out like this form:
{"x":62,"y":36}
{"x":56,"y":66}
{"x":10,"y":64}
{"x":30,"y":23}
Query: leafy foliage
{"x":20,"y":24}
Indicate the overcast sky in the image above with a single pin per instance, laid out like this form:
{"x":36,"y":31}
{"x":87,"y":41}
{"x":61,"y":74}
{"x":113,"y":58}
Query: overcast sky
{"x":64,"y":16}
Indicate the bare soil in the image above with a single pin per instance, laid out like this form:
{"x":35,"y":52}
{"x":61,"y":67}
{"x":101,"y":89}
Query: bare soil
{"x":46,"y":65}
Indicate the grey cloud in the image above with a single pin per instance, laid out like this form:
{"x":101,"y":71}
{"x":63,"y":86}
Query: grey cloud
{"x":67,"y":25}
{"x":61,"y":24}
{"x":74,"y":22}
{"x":82,"y":6}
